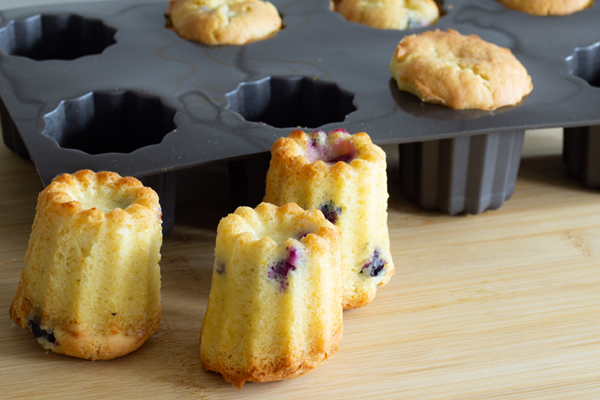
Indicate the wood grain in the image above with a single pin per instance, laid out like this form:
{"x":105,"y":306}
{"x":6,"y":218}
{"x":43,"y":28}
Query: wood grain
{"x":501,"y":305}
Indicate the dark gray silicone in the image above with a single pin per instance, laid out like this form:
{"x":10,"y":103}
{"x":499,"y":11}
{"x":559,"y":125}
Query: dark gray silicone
{"x":581,"y":154}
{"x":107,"y":86}
{"x":464,"y":174}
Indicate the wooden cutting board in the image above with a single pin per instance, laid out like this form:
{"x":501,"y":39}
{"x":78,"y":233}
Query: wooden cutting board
{"x":501,"y":305}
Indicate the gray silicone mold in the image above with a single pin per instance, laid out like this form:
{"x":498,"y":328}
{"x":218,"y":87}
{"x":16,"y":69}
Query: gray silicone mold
{"x":463,"y":174}
{"x":581,"y":154}
{"x":106,"y":86}
{"x":581,"y":149}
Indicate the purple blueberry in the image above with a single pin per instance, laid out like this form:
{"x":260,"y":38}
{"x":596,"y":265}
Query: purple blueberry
{"x":303,"y":235}
{"x":220,"y":267}
{"x":319,"y":149}
{"x":280,"y":270}
{"x":339,"y":130}
{"x":343,"y":158}
{"x":374,"y":266}
{"x":293,"y":257}
{"x":331,"y":212}
{"x":342,"y":150}
{"x":34,"y":326}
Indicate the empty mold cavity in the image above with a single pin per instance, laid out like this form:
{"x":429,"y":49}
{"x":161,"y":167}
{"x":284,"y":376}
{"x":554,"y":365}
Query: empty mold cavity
{"x":110,"y":122}
{"x":56,"y":37}
{"x":291,"y":102}
{"x":585,"y":63}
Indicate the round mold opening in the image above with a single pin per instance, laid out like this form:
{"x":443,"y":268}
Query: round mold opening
{"x":585,"y":63}
{"x":56,"y":37}
{"x":110,"y":122}
{"x":291,"y":102}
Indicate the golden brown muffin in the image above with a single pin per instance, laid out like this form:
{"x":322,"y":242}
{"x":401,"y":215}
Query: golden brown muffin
{"x":460,"y":72}
{"x":345,"y":177}
{"x":274,"y":310}
{"x":547,"y":7}
{"x":91,"y":283}
{"x":390,"y":14}
{"x":216,"y":22}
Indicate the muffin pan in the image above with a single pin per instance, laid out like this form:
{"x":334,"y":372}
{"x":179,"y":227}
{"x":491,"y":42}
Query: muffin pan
{"x":107,"y":86}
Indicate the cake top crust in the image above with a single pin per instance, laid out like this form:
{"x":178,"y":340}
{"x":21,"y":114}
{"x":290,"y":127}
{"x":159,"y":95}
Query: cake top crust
{"x":100,"y":195}
{"x":459,"y":71}
{"x":547,"y":7}
{"x":216,"y":22}
{"x":268,"y":222}
{"x":389,"y":14}
{"x":337,"y":149}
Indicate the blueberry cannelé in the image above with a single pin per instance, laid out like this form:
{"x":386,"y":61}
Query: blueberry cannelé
{"x":91,"y":283}
{"x":345,"y":177}
{"x":274,"y":310}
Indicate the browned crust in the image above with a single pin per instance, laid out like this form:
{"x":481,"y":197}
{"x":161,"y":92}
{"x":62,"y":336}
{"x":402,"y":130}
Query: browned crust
{"x":458,"y":71}
{"x":56,"y":197}
{"x":82,"y":343}
{"x":289,"y":366}
{"x":236,"y":222}
{"x":234,"y":22}
{"x":77,"y":341}
{"x":20,"y":308}
{"x":547,"y":7}
{"x":289,"y":160}
{"x":325,"y":230}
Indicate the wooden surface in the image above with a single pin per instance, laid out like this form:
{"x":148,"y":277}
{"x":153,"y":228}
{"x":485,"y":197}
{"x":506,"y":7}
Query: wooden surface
{"x":501,"y":305}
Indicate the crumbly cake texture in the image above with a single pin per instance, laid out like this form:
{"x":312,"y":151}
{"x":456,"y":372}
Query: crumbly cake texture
{"x":91,"y":283}
{"x":547,"y":7}
{"x":458,"y":71}
{"x":343,"y":176}
{"x":390,"y":14}
{"x":274,"y":309}
{"x":214,"y":22}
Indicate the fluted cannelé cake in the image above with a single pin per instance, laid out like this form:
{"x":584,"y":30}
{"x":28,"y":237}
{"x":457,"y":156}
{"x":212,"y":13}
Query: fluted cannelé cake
{"x":274,"y":309}
{"x":345,"y":177}
{"x":91,"y":283}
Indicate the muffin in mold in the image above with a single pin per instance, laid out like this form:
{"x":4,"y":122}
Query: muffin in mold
{"x":389,"y":14}
{"x":221,"y":22}
{"x":547,"y":7}
{"x":459,"y":71}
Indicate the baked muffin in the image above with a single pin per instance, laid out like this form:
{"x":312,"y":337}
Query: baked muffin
{"x":460,"y":72}
{"x":344,"y":176}
{"x":547,"y":7}
{"x":274,"y":310}
{"x":216,"y":22}
{"x":91,"y":283}
{"x":390,"y":14}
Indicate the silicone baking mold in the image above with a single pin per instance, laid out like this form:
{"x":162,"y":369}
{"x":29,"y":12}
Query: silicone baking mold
{"x":107,"y":86}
